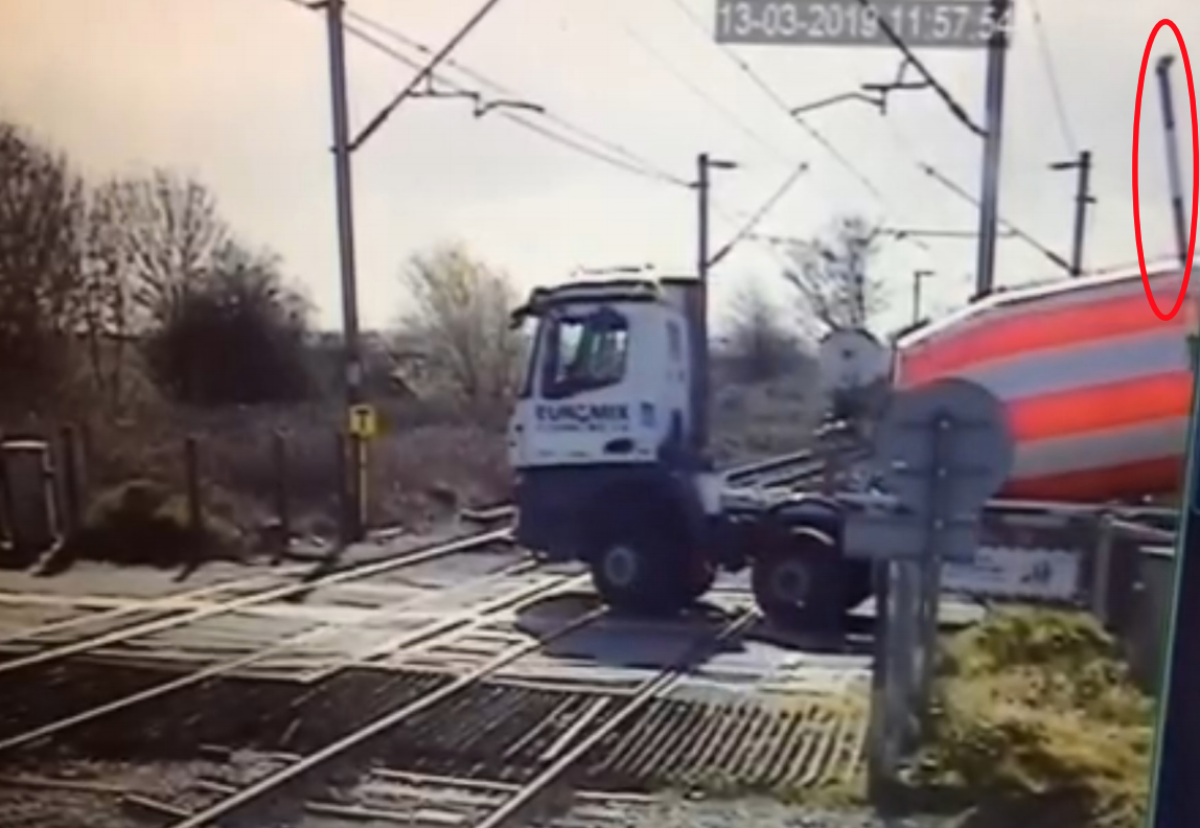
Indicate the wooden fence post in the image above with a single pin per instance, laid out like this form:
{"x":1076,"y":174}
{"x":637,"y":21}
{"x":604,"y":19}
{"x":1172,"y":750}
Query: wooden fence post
{"x":282,"y":511}
{"x":71,"y":492}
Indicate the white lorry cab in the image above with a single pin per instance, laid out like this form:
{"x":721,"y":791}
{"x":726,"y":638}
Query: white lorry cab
{"x":607,"y":444}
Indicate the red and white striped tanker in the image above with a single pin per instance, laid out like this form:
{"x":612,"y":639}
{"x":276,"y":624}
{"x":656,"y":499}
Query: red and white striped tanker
{"x":1097,"y":388}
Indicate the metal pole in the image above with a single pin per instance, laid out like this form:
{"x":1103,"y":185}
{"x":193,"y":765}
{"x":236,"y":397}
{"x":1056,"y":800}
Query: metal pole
{"x":345,"y":220}
{"x":918,"y":276}
{"x":931,"y":575}
{"x":700,"y":364}
{"x":1082,"y":198}
{"x":1174,"y":178}
{"x":990,"y":189}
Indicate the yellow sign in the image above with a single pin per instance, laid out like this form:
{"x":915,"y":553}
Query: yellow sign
{"x":363,"y":422}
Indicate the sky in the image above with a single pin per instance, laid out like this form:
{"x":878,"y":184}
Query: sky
{"x":236,"y":94}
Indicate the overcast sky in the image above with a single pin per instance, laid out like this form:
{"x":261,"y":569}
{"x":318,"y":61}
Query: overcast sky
{"x":235,"y":92}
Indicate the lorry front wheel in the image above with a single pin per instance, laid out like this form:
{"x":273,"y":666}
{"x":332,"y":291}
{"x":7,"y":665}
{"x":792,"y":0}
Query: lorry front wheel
{"x":799,"y":584}
{"x":635,"y":566}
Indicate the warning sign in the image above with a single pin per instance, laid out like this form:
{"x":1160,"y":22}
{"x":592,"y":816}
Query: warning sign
{"x":363,"y":422}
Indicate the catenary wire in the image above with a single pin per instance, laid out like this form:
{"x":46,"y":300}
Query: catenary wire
{"x":616,"y":155}
{"x":581,"y":133}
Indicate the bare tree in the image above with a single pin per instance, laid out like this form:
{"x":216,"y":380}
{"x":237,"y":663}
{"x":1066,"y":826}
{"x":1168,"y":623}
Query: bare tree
{"x":41,"y":204}
{"x":105,"y":299}
{"x":162,"y":232}
{"x":459,"y":319}
{"x":832,"y":275}
{"x":759,"y":344}
{"x":151,"y":241}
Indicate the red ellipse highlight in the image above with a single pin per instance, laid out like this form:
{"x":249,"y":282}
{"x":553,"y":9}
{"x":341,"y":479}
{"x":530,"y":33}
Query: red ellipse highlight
{"x":1137,"y":118}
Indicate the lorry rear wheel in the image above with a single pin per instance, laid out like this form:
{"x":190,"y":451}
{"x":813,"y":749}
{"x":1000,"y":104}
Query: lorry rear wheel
{"x":799,"y":584}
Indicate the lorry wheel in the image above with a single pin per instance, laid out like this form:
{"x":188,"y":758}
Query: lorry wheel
{"x":635,"y":566}
{"x":701,"y":582}
{"x":799,"y":584}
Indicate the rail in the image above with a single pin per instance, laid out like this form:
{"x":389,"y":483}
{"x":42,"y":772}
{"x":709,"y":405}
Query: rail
{"x":650,"y":690}
{"x":378,"y":727}
{"x":224,"y":668}
{"x":276,"y":593}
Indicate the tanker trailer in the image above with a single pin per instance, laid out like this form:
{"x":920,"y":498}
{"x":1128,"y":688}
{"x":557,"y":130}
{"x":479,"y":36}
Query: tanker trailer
{"x":1097,"y":388}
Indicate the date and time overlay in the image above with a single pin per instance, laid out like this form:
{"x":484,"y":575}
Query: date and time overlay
{"x":955,"y":24}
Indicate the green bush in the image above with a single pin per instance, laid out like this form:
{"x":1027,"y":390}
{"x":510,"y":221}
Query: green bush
{"x":1037,"y":718}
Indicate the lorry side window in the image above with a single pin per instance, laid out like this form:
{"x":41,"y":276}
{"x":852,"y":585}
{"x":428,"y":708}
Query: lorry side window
{"x":585,"y":353}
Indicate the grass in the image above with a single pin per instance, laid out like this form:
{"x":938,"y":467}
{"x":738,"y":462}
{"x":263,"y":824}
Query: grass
{"x":1037,"y":723}
{"x":430,"y":459}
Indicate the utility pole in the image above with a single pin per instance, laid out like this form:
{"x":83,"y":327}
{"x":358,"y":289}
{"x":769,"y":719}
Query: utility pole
{"x":1083,"y":197}
{"x":993,"y":126}
{"x":700,"y":367}
{"x":918,"y":277}
{"x":1174,"y":177}
{"x":354,"y":517}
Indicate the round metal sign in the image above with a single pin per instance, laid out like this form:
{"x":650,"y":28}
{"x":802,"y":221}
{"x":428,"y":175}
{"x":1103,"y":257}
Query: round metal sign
{"x":952,"y":425}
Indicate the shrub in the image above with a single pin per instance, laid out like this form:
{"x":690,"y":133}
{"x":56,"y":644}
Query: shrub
{"x":142,"y":522}
{"x":1037,"y":719}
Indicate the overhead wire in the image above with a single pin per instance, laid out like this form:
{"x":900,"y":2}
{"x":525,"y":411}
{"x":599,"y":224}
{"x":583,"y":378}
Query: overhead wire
{"x":758,"y":215}
{"x":399,"y":36}
{"x":1048,"y":65}
{"x":738,"y":123}
{"x":954,"y":187}
{"x":912,"y":60}
{"x":782,"y":105}
{"x":941,"y":177}
{"x":615,"y":155}
{"x":425,"y":74}
{"x":630,"y":157}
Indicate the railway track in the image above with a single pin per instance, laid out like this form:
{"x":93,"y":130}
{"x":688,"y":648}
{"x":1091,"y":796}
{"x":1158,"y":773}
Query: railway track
{"x":276,"y":592}
{"x":405,"y":699}
{"x":596,"y":723}
{"x":536,"y":589}
{"x":115,"y":611}
{"x":382,"y":796}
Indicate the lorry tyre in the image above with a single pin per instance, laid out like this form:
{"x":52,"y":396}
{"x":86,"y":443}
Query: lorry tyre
{"x":636,"y":558}
{"x":798,"y":583}
{"x":701,"y":582}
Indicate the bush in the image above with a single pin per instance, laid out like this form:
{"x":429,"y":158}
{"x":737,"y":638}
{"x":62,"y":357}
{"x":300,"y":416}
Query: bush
{"x":142,"y":522}
{"x":235,"y":336}
{"x":1036,"y":719}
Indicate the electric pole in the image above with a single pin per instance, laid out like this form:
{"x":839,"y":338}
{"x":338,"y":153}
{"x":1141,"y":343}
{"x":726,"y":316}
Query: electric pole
{"x":354,"y":517}
{"x":918,"y":277}
{"x":1083,"y":198}
{"x":993,"y":126}
{"x":700,"y":385}
{"x":1174,"y":178}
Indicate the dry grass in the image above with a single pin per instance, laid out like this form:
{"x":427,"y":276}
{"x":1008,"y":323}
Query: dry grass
{"x":430,"y":458}
{"x":1038,"y":723}
{"x":751,"y":422}
{"x":427,"y":460}
{"x":417,"y":471}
